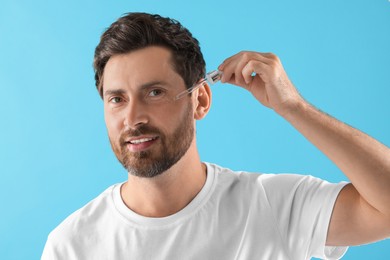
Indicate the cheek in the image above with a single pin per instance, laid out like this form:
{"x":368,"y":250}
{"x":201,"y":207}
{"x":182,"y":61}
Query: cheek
{"x":170,"y":119}
{"x":114,"y":126}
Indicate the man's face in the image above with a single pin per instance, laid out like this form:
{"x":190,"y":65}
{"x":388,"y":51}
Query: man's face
{"x":148,"y":131}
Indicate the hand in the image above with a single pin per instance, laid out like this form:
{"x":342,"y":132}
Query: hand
{"x":270,"y":85}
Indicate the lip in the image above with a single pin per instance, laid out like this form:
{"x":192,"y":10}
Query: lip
{"x":141,"y":146}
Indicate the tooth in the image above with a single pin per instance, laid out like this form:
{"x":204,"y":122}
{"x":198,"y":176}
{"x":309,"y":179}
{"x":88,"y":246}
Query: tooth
{"x":141,"y":140}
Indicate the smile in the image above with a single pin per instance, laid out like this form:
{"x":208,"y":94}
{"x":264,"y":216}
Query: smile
{"x":138,"y":141}
{"x":140,"y":144}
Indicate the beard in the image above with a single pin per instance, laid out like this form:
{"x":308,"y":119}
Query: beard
{"x":167,"y":150}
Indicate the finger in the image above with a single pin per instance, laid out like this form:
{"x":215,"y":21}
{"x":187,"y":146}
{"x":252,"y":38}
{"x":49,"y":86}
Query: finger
{"x":271,"y":59}
{"x":260,"y":68}
{"x":233,"y":72}
{"x":264,"y":56}
{"x":240,"y":55}
{"x":228,"y":70}
{"x":227,"y":61}
{"x":238,"y":76}
{"x":238,"y":61}
{"x":232,"y":67}
{"x":247,"y":73}
{"x":222,"y":66}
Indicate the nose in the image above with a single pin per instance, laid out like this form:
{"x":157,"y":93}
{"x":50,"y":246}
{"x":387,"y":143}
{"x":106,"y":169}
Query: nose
{"x":135,"y":114}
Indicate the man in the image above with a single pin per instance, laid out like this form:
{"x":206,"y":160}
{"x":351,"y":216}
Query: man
{"x":173,"y":206}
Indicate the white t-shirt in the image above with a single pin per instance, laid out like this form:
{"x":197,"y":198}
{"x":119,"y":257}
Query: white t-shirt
{"x":236,"y":215}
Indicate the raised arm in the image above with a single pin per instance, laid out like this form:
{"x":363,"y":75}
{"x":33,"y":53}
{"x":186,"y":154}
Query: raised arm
{"x":362,"y":210}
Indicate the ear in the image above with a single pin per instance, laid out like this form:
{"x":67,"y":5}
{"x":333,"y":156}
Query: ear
{"x":202,"y":101}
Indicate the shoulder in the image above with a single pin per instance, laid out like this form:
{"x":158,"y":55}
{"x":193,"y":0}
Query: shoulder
{"x":231,"y":177}
{"x":237,"y":185}
{"x":276,"y":186}
{"x":84,"y":219}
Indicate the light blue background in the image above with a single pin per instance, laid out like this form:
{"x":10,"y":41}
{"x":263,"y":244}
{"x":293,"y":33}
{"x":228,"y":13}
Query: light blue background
{"x":54,"y":152}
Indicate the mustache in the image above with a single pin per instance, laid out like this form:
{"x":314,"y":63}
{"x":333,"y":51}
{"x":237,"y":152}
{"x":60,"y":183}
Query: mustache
{"x":142,"y":130}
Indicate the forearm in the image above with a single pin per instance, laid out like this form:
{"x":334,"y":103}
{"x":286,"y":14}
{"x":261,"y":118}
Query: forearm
{"x":364,"y":160}
{"x":362,"y":211}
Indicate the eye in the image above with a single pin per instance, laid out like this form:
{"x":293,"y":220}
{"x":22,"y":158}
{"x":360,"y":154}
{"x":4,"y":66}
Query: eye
{"x":156,"y":92}
{"x":115,"y":100}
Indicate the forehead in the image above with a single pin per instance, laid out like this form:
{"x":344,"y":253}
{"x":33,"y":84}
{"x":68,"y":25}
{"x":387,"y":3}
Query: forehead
{"x":139,"y":67}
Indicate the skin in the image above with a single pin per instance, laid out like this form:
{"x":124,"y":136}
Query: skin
{"x":124,"y":75}
{"x":362,"y":209}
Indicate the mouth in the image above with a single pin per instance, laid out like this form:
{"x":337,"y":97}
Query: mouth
{"x":138,"y":144}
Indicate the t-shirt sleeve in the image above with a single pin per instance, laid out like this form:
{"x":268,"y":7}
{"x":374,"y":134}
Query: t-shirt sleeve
{"x":49,"y":251}
{"x":59,"y":246}
{"x":302,"y":206}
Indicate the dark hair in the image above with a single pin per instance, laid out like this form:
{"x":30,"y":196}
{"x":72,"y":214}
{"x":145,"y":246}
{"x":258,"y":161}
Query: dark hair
{"x":134,"y":31}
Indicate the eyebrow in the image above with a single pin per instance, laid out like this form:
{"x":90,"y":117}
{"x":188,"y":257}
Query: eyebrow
{"x":143,"y":86}
{"x":114,"y":92}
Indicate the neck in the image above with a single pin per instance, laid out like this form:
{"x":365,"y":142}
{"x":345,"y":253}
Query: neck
{"x":167,"y":193}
